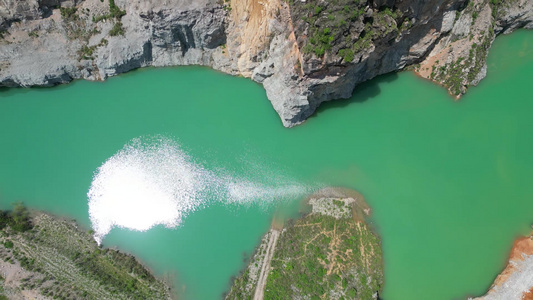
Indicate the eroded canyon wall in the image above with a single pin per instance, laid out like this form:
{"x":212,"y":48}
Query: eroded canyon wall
{"x":304,"y":53}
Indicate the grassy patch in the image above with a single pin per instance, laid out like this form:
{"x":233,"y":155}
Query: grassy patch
{"x":319,"y":255}
{"x":53,"y":245}
{"x":17,"y":219}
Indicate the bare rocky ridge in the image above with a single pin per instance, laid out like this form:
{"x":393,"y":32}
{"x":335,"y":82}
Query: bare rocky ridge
{"x":304,"y":53}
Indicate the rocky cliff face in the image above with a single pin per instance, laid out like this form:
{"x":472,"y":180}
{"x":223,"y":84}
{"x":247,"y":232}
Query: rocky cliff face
{"x":304,"y":53}
{"x":457,"y":60}
{"x":94,"y":40}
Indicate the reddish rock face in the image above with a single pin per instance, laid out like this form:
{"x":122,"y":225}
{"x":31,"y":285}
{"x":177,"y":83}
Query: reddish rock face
{"x":522,"y":246}
{"x":511,"y":279}
{"x":528,"y":295}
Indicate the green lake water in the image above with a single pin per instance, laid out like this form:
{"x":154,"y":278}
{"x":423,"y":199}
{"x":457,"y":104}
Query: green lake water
{"x":449,"y":182}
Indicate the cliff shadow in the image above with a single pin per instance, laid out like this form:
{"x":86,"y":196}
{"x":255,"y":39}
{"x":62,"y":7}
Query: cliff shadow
{"x":18,"y":90}
{"x":361,"y":93}
{"x":12,"y":91}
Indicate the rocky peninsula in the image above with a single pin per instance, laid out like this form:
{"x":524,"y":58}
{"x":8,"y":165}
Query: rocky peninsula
{"x":47,"y":257}
{"x":330,"y":253}
{"x":302,"y":52}
{"x":516,"y":280}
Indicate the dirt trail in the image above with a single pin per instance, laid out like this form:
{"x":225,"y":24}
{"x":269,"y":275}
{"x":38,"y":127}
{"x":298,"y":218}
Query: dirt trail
{"x":261,"y":282}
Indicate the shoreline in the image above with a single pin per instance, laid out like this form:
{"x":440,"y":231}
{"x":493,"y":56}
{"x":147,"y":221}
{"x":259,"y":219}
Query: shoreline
{"x":515,"y":280}
{"x":268,"y":44}
{"x":334,"y":218}
{"x":57,"y":258}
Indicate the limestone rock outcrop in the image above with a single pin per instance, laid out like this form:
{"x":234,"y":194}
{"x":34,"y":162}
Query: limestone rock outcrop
{"x":304,"y":53}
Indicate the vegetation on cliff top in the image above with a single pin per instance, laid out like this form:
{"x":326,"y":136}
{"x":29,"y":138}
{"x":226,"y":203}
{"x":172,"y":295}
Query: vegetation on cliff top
{"x":81,"y":24}
{"x":61,"y":261}
{"x":326,"y":258}
{"x":342,"y":27}
{"x":462,"y":59}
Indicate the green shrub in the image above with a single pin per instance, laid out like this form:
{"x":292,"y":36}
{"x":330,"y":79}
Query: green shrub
{"x":20,"y":218}
{"x":347,"y":55}
{"x":86,"y":52}
{"x":5,"y":219}
{"x":115,"y":11}
{"x":117,"y":29}
{"x":351,"y":293}
{"x":390,"y":13}
{"x":8,"y":244}
{"x":68,"y":13}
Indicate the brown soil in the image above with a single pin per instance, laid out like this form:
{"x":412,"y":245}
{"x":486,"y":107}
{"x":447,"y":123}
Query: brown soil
{"x":523,"y":245}
{"x":528,"y":295}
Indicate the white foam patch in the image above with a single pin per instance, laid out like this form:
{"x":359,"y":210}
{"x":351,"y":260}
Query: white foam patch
{"x":151,"y":181}
{"x":147,"y":183}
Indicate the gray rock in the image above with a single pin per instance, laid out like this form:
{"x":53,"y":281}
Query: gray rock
{"x":517,"y":15}
{"x":12,"y":10}
{"x":256,"y":40}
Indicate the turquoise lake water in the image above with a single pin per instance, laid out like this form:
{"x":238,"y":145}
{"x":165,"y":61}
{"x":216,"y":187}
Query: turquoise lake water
{"x":449,"y":182}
